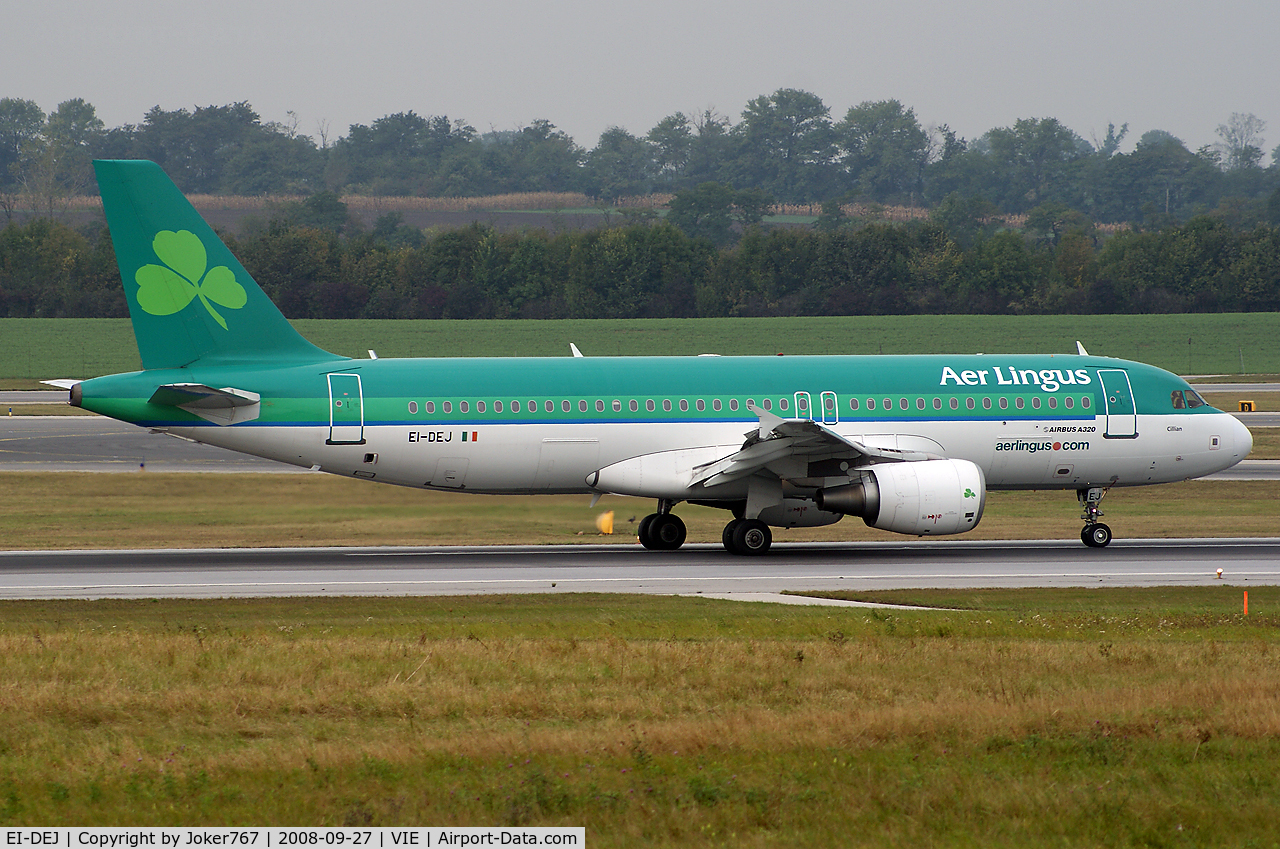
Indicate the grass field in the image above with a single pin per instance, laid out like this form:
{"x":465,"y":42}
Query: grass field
{"x":1219,"y":344}
{"x":1086,"y":717}
{"x":154,"y":510}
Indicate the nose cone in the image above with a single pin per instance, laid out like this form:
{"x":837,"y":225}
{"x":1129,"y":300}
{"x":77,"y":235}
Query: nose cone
{"x":1242,"y":438}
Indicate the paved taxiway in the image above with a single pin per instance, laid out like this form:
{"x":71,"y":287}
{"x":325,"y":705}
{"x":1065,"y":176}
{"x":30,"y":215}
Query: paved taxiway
{"x":98,"y":444}
{"x":696,"y":569}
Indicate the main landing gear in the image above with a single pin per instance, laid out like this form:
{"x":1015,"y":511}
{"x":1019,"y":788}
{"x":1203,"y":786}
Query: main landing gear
{"x":746,"y":536}
{"x":662,"y":531}
{"x":1094,"y":534}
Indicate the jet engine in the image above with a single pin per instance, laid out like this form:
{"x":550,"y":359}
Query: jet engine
{"x":929,"y":497}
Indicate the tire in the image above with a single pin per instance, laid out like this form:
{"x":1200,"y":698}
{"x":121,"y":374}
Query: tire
{"x":646,"y":524}
{"x":667,"y":532}
{"x":751,"y":537}
{"x":727,"y":536}
{"x":1096,"y":535}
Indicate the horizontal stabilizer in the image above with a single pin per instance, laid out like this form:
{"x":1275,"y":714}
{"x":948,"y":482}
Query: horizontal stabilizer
{"x":223,"y":407}
{"x":62,"y":382}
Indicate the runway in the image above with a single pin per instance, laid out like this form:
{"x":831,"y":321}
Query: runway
{"x":99,"y":444}
{"x":696,"y":569}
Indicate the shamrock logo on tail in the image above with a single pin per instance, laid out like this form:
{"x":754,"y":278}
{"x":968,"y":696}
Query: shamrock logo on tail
{"x":166,"y":289}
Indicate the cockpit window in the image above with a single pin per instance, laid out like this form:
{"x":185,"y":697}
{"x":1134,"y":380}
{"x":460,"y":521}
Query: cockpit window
{"x":1194,"y":400}
{"x":1178,"y":402}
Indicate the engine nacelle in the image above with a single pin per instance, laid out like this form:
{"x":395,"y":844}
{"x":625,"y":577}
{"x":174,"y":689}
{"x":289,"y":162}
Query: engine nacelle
{"x":798,"y":513}
{"x":930,"y":497}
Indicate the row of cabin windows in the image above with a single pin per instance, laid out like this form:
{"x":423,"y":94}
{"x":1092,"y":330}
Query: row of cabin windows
{"x":971,"y":403}
{"x":828,"y":402}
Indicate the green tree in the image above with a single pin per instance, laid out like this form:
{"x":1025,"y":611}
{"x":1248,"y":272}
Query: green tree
{"x":21,"y":123}
{"x":786,"y":145}
{"x":1241,"y":144}
{"x":620,"y":165}
{"x":1031,"y":161}
{"x":884,"y":150}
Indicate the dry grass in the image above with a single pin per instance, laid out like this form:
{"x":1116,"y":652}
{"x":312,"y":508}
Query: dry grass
{"x":650,"y":721}
{"x":162,"y":510}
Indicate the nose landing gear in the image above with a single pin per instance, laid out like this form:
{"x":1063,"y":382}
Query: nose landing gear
{"x":1094,"y":534}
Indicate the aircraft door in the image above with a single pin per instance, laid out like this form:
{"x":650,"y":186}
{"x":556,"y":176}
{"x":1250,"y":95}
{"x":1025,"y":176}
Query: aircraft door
{"x":346,"y":410}
{"x":804,"y":407}
{"x":1122,"y":413}
{"x":830,"y":409}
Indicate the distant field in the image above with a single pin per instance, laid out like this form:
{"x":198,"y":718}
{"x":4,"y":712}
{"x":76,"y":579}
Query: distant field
{"x":1187,"y":344}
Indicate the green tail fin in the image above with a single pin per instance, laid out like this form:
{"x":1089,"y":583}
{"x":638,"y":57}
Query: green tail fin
{"x":189,"y":298}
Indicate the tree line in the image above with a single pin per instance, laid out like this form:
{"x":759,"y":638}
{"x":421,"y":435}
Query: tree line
{"x":786,"y":147}
{"x":953,"y":262}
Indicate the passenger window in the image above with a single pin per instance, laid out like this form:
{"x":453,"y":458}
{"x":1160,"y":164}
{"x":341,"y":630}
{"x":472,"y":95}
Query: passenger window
{"x":635,"y":405}
{"x":1085,"y":402}
{"x":715,"y":405}
{"x":617,"y":406}
{"x":599,"y":406}
{"x":666,"y":405}
{"x":937,"y":403}
{"x":448,"y":406}
{"x":649,"y":405}
{"x":767,"y":404}
{"x":782,"y":403}
{"x":701,"y":405}
{"x":684,"y":406}
{"x":413,"y":407}
{"x":533,"y":406}
{"x":431,"y":406}
{"x":829,"y":401}
{"x":902,"y":402}
{"x":1035,"y":402}
{"x":1179,"y":403}
{"x":550,"y":406}
{"x":733,"y":404}
{"x":1068,"y":402}
{"x":1194,"y":400}
{"x":919,"y":403}
{"x":1019,"y":403}
{"x":1004,"y":403}
{"x":1053,"y":403}
{"x":480,"y":407}
{"x":955,"y":403}
{"x":888,"y":403}
{"x":497,"y":406}
{"x":968,"y":402}
{"x":582,"y":406}
{"x":853,"y":403}
{"x":750,"y":403}
{"x":986,"y":403}
{"x":464,"y":407}
{"x":871,"y":403}
{"x":566,"y":406}
{"x":515,"y":406}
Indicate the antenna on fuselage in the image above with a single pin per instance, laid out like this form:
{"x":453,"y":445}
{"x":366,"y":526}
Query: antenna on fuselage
{"x":574,"y":349}
{"x":1080,"y":349}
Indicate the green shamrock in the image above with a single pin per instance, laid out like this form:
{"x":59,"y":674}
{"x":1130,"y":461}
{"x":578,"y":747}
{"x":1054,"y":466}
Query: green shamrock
{"x":166,"y":289}
{"x":969,"y":493}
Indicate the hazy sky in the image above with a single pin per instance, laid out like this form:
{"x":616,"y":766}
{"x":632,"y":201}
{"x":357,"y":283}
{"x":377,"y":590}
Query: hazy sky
{"x":585,"y":66}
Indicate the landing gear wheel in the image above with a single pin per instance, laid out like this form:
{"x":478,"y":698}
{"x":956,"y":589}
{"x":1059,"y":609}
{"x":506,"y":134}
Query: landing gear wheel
{"x":1096,"y":535}
{"x":727,"y":536}
{"x":644,"y":530}
{"x":751,"y":536}
{"x":666,"y":532}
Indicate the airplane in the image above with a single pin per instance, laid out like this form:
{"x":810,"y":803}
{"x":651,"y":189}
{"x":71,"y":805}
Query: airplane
{"x":909,"y":444}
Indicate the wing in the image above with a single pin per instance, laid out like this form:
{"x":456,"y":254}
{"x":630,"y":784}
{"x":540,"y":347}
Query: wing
{"x":789,"y":445}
